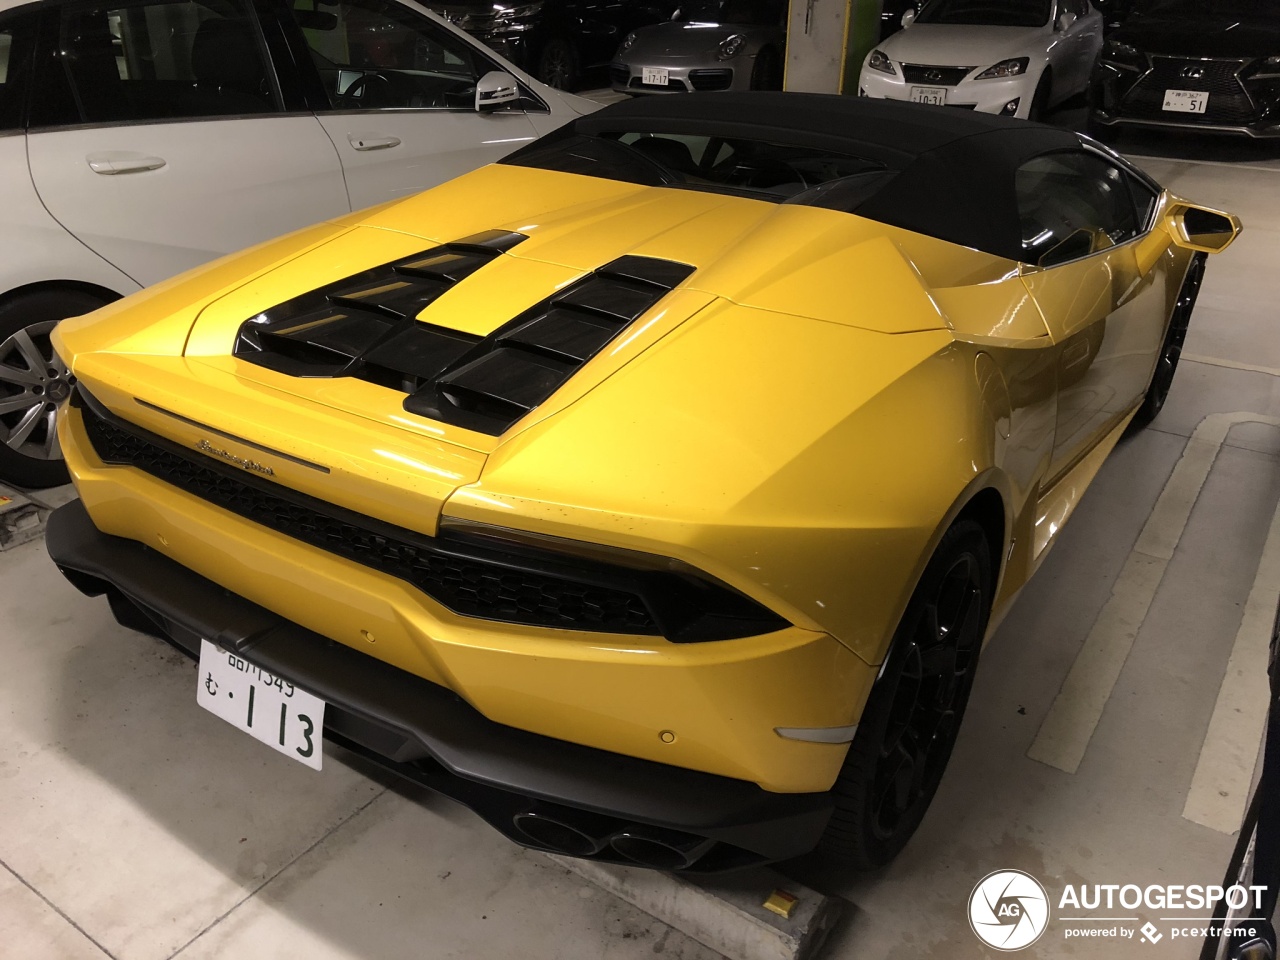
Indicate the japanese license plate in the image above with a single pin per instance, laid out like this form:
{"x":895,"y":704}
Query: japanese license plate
{"x":654,"y":75}
{"x":1186,"y":101}
{"x":262,"y":705}
{"x":934,"y":95}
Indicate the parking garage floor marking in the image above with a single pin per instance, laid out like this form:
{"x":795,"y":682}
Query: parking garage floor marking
{"x":1231,"y":364}
{"x":1224,"y":772}
{"x":1068,"y":727}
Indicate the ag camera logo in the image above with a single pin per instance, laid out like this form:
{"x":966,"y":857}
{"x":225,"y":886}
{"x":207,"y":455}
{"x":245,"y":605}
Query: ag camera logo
{"x":1008,"y":910}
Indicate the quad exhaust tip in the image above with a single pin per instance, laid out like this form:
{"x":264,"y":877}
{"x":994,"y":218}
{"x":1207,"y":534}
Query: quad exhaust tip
{"x":647,"y":846}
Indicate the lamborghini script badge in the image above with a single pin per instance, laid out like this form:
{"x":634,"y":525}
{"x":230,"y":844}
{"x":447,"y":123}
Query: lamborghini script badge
{"x":204,"y":446}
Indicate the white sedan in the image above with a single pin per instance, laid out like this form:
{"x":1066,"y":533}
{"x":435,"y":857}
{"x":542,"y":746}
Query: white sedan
{"x":140,"y":139}
{"x":1018,"y":58}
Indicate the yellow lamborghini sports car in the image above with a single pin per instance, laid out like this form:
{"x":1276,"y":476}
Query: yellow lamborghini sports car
{"x":651,"y":491}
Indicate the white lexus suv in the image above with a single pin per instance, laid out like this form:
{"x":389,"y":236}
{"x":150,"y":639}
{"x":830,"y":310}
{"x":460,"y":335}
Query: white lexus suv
{"x":140,"y":138}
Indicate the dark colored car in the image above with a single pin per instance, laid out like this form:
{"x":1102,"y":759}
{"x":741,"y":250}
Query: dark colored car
{"x":555,"y":40}
{"x":1211,"y":65}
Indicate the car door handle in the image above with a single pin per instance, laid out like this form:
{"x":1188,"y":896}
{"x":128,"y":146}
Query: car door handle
{"x":363,"y":141}
{"x":110,"y":162}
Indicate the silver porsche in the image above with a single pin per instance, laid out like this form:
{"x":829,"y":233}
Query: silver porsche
{"x":706,"y":45}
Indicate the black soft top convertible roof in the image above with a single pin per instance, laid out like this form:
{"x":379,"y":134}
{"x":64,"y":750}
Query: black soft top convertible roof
{"x":954,"y":169}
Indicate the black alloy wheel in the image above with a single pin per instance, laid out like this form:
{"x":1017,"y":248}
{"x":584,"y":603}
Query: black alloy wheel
{"x":909,"y":727}
{"x":1171,"y":349}
{"x":33,"y":382}
{"x":558,"y":64}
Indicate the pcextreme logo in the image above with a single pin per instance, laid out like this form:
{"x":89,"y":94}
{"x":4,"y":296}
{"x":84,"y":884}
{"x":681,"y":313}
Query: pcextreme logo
{"x":1009,"y":910}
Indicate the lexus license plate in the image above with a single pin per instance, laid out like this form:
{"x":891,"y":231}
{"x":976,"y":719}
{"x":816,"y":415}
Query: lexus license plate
{"x":654,"y":76}
{"x":933,"y":95}
{"x":1186,"y":101}
{"x":262,"y":705}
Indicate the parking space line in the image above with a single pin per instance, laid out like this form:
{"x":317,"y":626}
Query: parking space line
{"x":1224,"y":772}
{"x":1231,"y":364}
{"x":1068,"y":727}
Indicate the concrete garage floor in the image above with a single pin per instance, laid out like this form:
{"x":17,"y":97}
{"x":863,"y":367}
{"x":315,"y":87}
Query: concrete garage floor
{"x":135,"y":825}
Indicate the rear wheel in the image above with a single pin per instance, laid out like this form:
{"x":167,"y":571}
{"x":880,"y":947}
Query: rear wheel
{"x":558,"y":64}
{"x":33,"y":381}
{"x":1171,"y":349}
{"x":913,"y":715}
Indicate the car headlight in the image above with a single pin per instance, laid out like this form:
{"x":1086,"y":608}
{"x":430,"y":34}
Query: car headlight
{"x":518,"y":12}
{"x":1114,"y":49}
{"x":878,"y":61}
{"x":628,"y":42}
{"x":1005,"y":68}
{"x":1269,"y":69}
{"x":730,"y":47}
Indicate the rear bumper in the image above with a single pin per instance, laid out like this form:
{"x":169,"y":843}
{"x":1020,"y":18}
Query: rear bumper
{"x":569,"y":798}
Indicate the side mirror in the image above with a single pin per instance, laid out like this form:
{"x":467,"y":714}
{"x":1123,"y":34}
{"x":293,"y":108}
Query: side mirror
{"x":494,"y":89}
{"x":1202,"y":228}
{"x":908,"y":17}
{"x":1065,"y":19}
{"x":1260,"y":946}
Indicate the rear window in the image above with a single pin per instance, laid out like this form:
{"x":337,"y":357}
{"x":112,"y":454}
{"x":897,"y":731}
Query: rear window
{"x":764,"y":170}
{"x":15,"y":58}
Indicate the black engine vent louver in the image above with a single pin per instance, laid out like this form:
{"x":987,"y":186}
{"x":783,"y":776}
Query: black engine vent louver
{"x":364,"y":326}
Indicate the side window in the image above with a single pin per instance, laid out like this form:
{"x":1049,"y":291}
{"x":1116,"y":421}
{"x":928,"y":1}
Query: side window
{"x":1072,"y":204}
{"x":1144,"y":200}
{"x":16,"y":40}
{"x":167,"y":60}
{"x":379,"y":54}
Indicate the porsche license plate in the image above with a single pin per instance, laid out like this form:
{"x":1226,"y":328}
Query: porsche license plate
{"x":1186,"y":101}
{"x":934,"y":95}
{"x":654,"y":76}
{"x":262,"y":705}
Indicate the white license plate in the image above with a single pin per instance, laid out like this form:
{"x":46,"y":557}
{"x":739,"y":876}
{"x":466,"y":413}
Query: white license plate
{"x":264,"y":706}
{"x":654,"y":75}
{"x":934,"y":95}
{"x":1186,"y":101}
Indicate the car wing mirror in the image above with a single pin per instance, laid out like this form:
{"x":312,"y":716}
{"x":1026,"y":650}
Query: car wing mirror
{"x":1260,"y":946}
{"x":496,"y":89}
{"x":909,"y":17}
{"x":1065,"y":20}
{"x":1201,"y":228}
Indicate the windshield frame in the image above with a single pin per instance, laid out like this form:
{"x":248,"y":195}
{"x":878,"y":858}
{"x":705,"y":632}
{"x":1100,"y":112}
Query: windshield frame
{"x":933,"y":9}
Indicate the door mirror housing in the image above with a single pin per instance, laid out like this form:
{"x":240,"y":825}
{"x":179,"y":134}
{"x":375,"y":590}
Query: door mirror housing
{"x":496,"y":89}
{"x":1065,"y":20}
{"x":909,"y":17}
{"x":1201,"y":228}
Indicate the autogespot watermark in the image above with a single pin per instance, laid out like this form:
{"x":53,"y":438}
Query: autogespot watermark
{"x":1010,"y":910}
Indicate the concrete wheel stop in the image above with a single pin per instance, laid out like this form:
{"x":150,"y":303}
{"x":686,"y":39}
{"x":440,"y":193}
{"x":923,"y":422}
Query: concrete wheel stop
{"x":753,"y":915}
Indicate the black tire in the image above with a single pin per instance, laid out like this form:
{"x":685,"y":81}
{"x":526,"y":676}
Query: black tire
{"x":558,"y":64}
{"x":908,"y":729}
{"x":32,"y":382}
{"x":767,"y":72}
{"x":1171,"y":349}
{"x":1039,"y":108}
